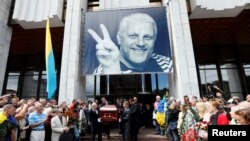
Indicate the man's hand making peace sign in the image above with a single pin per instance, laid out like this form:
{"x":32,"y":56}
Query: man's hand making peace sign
{"x":106,"y":51}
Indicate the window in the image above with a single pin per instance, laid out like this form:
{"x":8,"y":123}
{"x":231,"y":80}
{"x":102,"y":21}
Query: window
{"x":133,"y":84}
{"x":12,"y":82}
{"x":153,"y":82}
{"x":230,"y":80}
{"x":30,"y":83}
{"x":163,"y":83}
{"x":159,"y":83}
{"x":92,"y":86}
{"x":208,"y":74}
{"x":125,"y":84}
{"x":43,"y":85}
{"x":247,"y":74}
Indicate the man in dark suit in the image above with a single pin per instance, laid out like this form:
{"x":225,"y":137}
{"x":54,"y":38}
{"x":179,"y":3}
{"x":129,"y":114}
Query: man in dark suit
{"x":94,"y":122}
{"x":125,"y":120}
{"x":135,"y":119}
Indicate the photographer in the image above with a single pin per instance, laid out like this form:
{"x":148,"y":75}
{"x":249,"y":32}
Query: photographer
{"x":7,"y":98}
{"x":3,"y":101}
{"x":212,"y":90}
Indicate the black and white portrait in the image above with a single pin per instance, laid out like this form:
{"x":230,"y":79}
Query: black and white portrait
{"x":126,"y":41}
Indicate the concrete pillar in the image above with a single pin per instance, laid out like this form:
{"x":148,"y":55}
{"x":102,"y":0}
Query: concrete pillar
{"x":183,"y":80}
{"x":72,"y":85}
{"x":5,"y":38}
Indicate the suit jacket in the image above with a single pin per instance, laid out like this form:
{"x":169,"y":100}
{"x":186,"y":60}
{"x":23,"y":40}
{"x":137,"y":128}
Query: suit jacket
{"x":93,"y":118}
{"x":126,"y":119}
{"x":57,"y":127}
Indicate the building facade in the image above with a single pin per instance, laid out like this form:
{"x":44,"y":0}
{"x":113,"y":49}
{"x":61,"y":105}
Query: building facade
{"x":210,"y":42}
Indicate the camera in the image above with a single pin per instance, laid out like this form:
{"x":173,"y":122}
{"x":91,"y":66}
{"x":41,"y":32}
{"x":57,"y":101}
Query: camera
{"x":212,"y":90}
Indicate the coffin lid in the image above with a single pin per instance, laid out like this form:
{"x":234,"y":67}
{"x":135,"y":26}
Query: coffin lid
{"x":108,"y":108}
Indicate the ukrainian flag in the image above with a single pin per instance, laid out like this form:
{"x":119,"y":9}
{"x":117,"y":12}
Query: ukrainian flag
{"x":50,"y":64}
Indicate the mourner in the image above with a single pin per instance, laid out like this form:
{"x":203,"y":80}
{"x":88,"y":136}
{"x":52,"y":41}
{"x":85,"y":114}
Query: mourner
{"x":135,"y":119}
{"x":125,"y":121}
{"x":94,"y":120}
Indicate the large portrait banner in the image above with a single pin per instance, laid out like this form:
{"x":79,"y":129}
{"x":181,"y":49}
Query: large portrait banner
{"x":132,"y":41}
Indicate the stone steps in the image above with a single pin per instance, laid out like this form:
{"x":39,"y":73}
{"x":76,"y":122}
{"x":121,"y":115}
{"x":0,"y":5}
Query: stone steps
{"x":145,"y":134}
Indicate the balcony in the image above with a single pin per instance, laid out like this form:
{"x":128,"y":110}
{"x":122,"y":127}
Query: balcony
{"x":31,"y":14}
{"x":216,"y":8}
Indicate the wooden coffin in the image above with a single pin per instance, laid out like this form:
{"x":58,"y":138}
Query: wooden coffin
{"x":109,"y":113}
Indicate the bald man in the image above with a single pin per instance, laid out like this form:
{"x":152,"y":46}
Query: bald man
{"x":94,"y":119}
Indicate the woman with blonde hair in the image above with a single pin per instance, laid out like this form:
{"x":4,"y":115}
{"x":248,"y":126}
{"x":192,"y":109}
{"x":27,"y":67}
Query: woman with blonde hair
{"x":203,"y":112}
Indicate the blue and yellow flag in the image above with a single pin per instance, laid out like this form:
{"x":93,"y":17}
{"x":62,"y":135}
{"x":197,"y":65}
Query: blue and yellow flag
{"x":50,"y":64}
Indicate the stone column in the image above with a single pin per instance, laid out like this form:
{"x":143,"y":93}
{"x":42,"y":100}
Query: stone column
{"x":183,"y":80}
{"x":5,"y":38}
{"x":72,"y":85}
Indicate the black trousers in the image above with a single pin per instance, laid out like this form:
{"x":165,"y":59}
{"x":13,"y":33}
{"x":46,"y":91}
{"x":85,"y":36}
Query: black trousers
{"x":96,"y":130}
{"x":106,"y":128}
{"x":134,"y":128}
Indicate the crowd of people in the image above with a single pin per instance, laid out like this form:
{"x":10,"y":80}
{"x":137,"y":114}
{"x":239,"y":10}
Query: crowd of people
{"x":43,"y":120}
{"x":189,"y":121}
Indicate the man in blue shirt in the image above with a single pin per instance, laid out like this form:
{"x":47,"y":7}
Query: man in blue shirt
{"x":36,"y":122}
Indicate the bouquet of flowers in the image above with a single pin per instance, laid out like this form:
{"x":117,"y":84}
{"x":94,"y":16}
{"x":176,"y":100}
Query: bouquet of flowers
{"x":202,"y":128}
{"x":160,"y":118}
{"x":161,"y":112}
{"x":202,"y":125}
{"x":72,"y":117}
{"x":161,"y":115}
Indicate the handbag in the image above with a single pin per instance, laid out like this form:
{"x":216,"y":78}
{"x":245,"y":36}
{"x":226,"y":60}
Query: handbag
{"x":66,"y":136}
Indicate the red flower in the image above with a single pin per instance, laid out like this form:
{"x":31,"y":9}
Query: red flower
{"x":71,"y":116}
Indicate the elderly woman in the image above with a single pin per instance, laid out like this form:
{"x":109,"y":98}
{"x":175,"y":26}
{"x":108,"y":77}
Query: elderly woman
{"x":58,"y":125}
{"x":242,"y":116}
